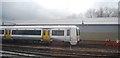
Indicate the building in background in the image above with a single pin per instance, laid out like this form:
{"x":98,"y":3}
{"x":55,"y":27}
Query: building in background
{"x":91,"y":28}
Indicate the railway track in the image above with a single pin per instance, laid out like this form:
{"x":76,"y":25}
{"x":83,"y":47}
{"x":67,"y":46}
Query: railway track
{"x":57,"y":52}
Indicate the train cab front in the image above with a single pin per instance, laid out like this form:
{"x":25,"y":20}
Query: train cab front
{"x":78,"y":34}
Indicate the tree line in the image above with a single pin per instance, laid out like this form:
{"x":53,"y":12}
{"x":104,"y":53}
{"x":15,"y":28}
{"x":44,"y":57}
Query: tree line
{"x":102,"y":12}
{"x":97,"y":13}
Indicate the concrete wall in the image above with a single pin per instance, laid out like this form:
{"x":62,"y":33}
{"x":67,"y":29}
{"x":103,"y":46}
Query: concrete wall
{"x":99,"y":32}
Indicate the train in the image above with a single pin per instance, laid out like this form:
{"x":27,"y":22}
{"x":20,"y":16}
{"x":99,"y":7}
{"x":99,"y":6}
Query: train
{"x":69,"y":34}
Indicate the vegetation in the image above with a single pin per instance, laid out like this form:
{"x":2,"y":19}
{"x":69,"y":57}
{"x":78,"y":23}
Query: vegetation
{"x":102,"y":12}
{"x":97,"y":13}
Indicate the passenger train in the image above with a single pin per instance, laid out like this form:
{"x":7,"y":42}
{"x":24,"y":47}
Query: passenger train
{"x":69,"y":34}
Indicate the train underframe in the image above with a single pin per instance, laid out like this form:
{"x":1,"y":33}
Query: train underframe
{"x":31,"y":41}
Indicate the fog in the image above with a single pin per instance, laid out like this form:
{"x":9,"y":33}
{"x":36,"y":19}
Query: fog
{"x":27,"y":11}
{"x":33,"y":10}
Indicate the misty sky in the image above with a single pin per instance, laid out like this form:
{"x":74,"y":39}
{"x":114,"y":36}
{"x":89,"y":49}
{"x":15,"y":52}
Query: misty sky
{"x":48,"y":9}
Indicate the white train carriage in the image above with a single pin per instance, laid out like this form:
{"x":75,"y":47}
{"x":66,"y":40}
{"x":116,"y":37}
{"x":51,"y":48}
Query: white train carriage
{"x":43,"y":33}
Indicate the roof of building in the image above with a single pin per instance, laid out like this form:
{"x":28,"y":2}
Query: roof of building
{"x":69,"y":21}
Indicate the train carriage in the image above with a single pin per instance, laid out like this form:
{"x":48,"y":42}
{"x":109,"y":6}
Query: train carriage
{"x":42,"y":33}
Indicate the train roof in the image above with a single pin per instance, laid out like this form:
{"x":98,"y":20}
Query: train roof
{"x":38,"y":27}
{"x":112,"y":20}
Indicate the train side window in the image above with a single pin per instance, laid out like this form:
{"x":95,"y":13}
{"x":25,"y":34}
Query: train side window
{"x":77,"y":32}
{"x":48,"y":32}
{"x":26,"y":32}
{"x":17,"y":32}
{"x":43,"y":32}
{"x":1,"y":31}
{"x":9,"y":31}
{"x":32,"y":32}
{"x":58,"y":32}
{"x":5,"y":31}
{"x":68,"y":32}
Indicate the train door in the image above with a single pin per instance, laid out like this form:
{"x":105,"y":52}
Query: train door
{"x":7,"y":33}
{"x":46,"y":35}
{"x":68,"y":35}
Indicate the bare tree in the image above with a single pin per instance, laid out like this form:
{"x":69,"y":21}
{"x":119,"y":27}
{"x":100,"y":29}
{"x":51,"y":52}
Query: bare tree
{"x":102,"y":12}
{"x":99,"y":12}
{"x":91,"y":13}
{"x":114,"y":13}
{"x":107,"y":12}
